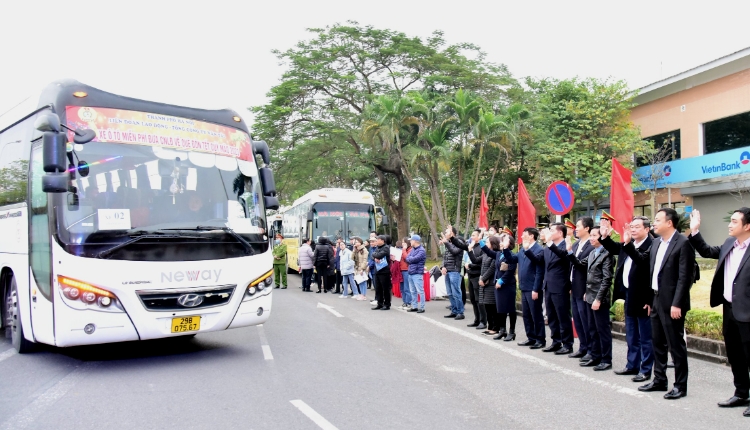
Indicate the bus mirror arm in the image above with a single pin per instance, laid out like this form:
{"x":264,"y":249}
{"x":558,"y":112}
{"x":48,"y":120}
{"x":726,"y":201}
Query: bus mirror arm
{"x":81,"y":135}
{"x":271,"y":202}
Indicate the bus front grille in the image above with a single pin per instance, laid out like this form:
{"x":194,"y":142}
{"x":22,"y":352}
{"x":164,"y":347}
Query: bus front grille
{"x":186,"y":299}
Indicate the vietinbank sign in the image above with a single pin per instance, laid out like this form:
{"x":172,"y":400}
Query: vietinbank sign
{"x":725,"y":163}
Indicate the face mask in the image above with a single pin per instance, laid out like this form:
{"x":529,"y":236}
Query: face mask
{"x":277,"y":241}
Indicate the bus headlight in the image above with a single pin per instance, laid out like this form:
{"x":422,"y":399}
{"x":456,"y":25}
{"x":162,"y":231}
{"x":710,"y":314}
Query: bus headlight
{"x":83,"y":296}
{"x":259,"y":286}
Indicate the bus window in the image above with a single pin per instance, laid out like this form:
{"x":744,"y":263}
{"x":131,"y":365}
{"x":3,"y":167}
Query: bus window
{"x":39,"y":247}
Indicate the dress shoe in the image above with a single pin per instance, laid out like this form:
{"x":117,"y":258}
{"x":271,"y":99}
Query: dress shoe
{"x":675,"y":394}
{"x":589,"y":363}
{"x":510,"y":337}
{"x":460,"y":316}
{"x":746,"y":413}
{"x":564,"y":351}
{"x":733,"y":401}
{"x":552,"y":348}
{"x":500,"y":336}
{"x":641,"y":377}
{"x":527,"y":342}
{"x":603,"y":366}
{"x":626,"y":371}
{"x":452,"y":315}
{"x":376,"y":308}
{"x":481,"y":326}
{"x":412,"y":310}
{"x":653,"y":386}
{"x":587,"y":357}
{"x":577,"y":354}
{"x":474,"y":324}
{"x":538,"y":345}
{"x":386,"y":308}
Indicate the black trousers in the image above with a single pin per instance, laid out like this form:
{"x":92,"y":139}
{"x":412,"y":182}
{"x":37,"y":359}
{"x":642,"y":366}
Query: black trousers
{"x":463,"y":290}
{"x":383,"y":287}
{"x":480,"y":315}
{"x":502,"y":317}
{"x":667,"y":337}
{"x":324,"y":281}
{"x":491,"y":311}
{"x":339,"y":280}
{"x":533,"y":318}
{"x":306,"y":278}
{"x":558,"y":316}
{"x":600,"y":333}
{"x":737,"y":341}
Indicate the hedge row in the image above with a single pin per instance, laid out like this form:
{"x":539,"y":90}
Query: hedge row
{"x":697,"y":322}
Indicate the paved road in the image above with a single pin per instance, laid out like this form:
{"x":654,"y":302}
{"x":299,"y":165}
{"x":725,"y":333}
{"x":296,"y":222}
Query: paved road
{"x":309,"y":368}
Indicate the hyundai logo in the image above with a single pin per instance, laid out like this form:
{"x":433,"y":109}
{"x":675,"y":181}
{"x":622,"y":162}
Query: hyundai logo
{"x":190,"y":300}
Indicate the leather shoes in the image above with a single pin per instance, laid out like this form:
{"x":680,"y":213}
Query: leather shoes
{"x":587,"y":357}
{"x":733,"y":401}
{"x":412,"y":310}
{"x":653,"y":386}
{"x":641,"y":377}
{"x":589,"y":363}
{"x":452,"y":315}
{"x":386,"y":308}
{"x":552,"y":348}
{"x":474,"y":324}
{"x":746,"y":413}
{"x":626,"y":371}
{"x":538,"y":345}
{"x":460,"y":316}
{"x":603,"y":366}
{"x":577,"y":354}
{"x":527,"y":342}
{"x":564,"y":351}
{"x":377,"y":308}
{"x":675,"y":394}
{"x":481,"y":326}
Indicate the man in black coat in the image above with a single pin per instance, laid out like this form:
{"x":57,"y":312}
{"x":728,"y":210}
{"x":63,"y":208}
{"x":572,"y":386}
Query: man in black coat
{"x":556,"y":289}
{"x":632,"y":283}
{"x":671,"y":261}
{"x":474,"y":270}
{"x":731,"y":288}
{"x":382,"y":255}
{"x":581,"y":250}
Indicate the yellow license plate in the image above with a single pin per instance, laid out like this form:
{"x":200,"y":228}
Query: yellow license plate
{"x":183,"y":324}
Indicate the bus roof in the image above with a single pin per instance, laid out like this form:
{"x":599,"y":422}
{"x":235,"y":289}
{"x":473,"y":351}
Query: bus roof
{"x":59,"y":94}
{"x":338,"y":195}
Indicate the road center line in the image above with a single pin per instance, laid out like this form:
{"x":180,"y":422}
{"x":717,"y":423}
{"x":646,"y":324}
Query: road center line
{"x":27,"y":415}
{"x":264,"y":343}
{"x":330,"y":309}
{"x":7,"y":354}
{"x":314,"y":416}
{"x":536,"y":360}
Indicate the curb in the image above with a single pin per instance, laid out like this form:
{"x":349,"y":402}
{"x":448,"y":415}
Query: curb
{"x":710,"y":350}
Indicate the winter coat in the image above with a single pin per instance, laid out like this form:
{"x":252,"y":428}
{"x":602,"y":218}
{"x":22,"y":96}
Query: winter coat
{"x":360,"y":259}
{"x":416,"y":258}
{"x":346,"y":262}
{"x":453,"y":257}
{"x":404,"y":265}
{"x":487,"y":276}
{"x":305,"y":256}
{"x":383,"y":252}
{"x":323,"y":255}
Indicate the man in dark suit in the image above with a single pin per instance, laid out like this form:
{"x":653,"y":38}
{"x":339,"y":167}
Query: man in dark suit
{"x":581,"y":250}
{"x":556,"y":289}
{"x":671,"y":260}
{"x":530,"y":276}
{"x":731,"y":288}
{"x":633,"y":284}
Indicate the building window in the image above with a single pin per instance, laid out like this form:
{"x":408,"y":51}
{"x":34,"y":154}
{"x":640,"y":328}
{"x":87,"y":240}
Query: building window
{"x":668,"y":149}
{"x":727,"y":133}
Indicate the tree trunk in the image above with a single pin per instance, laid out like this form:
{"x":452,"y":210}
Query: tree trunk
{"x":434,"y":241}
{"x":428,"y":218}
{"x":476,"y":184}
{"x":460,"y":184}
{"x":399,"y":207}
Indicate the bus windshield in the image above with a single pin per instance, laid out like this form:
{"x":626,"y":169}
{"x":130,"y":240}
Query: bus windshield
{"x":343,"y":220}
{"x":136,"y":189}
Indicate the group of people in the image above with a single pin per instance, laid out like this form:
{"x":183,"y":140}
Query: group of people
{"x":653,"y":271}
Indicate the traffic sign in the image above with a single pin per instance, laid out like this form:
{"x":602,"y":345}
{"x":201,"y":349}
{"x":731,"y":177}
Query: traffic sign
{"x":560,"y":198}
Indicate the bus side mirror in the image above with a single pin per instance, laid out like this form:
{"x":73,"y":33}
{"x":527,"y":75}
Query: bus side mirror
{"x":267,"y":181}
{"x":55,"y":183}
{"x":271,"y":202}
{"x":54,"y":155}
{"x":261,"y":148}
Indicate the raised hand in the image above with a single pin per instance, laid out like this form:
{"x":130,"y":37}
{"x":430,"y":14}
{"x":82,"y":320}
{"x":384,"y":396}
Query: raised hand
{"x":695,"y":221}
{"x":626,"y":234}
{"x":604,"y":228}
{"x":544,"y":234}
{"x":506,"y":242}
{"x":569,"y":243}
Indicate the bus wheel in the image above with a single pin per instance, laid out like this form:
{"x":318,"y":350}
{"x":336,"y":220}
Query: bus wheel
{"x":13,"y":326}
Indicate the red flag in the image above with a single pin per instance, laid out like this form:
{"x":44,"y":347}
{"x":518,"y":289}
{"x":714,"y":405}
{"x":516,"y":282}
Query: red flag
{"x":621,"y":200}
{"x":483,"y":209}
{"x":526,"y":210}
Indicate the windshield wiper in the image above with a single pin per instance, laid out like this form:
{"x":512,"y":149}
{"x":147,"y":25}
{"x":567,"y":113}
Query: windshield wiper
{"x":248,"y":247}
{"x":143,"y":234}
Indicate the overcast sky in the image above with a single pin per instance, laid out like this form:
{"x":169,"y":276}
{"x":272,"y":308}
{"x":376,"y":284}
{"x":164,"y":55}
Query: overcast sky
{"x":216,"y":54}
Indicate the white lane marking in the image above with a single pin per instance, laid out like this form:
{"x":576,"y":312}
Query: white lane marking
{"x":26,"y":416}
{"x":330,"y":309}
{"x":267,"y":352}
{"x":7,"y":354}
{"x":264,"y":343}
{"x":537,"y":360}
{"x":314,"y":416}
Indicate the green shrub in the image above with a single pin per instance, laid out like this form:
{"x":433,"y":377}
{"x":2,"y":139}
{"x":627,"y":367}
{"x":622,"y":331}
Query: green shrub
{"x":620,"y":311}
{"x":704,"y":324}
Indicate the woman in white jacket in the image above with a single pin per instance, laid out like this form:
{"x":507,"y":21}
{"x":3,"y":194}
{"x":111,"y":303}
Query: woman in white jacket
{"x":347,"y":270}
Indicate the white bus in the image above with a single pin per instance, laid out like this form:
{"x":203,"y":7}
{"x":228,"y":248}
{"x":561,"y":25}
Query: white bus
{"x":123,"y":219}
{"x":330,"y":212}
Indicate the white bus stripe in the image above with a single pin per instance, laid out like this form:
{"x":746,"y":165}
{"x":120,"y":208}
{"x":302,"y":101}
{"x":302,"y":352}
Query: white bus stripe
{"x":314,"y":416}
